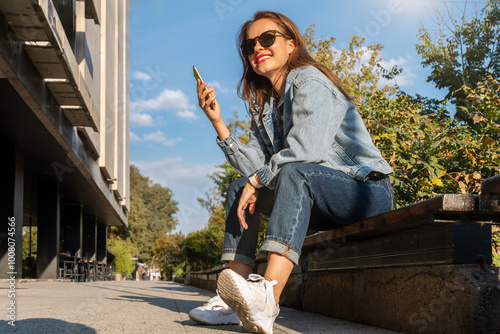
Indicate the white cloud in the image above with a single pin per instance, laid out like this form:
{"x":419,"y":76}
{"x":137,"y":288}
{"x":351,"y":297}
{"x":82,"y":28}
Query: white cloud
{"x":157,"y":137}
{"x":187,"y":114}
{"x":141,"y":119}
{"x":142,"y":76}
{"x":133,"y":137}
{"x":414,"y":8}
{"x":405,"y":79}
{"x":219,"y":88}
{"x":168,"y":100}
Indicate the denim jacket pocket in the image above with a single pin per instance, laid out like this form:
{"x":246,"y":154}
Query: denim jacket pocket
{"x":344,"y":155}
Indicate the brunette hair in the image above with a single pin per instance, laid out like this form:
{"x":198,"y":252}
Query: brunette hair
{"x":255,"y":89}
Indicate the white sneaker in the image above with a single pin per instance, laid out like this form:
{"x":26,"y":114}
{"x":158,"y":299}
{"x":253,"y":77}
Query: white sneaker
{"x":214,"y":312}
{"x":252,"y":300}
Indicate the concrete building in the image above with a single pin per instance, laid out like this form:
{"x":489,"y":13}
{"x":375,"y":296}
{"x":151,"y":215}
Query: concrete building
{"x":64,"y":116}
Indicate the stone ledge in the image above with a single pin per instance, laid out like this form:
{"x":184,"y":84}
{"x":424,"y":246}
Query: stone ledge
{"x":423,"y":299}
{"x":412,"y":299}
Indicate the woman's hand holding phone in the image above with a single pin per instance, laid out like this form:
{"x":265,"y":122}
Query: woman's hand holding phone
{"x":208,"y":103}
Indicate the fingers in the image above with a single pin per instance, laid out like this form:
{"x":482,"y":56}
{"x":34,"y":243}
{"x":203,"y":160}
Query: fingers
{"x":251,"y":208}
{"x":200,"y":88}
{"x":210,"y":97}
{"x":206,"y":96}
{"x":240,"y":212}
{"x":247,"y":200}
{"x":241,"y":215}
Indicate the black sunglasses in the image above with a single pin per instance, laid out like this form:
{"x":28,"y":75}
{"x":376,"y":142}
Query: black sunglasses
{"x":266,"y":39}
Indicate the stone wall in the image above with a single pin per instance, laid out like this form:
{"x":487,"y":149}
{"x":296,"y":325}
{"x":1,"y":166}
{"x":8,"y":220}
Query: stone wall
{"x":412,"y":299}
{"x":424,"y":299}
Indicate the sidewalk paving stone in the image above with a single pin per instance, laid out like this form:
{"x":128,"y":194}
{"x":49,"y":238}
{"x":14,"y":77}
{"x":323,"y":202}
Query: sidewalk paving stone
{"x":136,"y":307}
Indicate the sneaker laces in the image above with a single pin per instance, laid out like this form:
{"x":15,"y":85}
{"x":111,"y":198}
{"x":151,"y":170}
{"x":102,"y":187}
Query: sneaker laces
{"x":216,"y":302}
{"x":261,"y":281}
{"x":257,"y":279}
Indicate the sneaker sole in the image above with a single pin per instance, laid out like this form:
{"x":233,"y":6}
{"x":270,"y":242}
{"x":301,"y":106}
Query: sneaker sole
{"x":203,"y":322}
{"x":195,"y":319}
{"x":234,"y":298}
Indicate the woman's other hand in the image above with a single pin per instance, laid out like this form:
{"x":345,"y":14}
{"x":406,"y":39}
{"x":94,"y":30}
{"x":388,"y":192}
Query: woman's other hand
{"x":248,"y":198}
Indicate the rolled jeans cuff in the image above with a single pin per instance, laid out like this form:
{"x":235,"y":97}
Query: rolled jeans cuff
{"x":238,"y":257}
{"x":271,"y":245}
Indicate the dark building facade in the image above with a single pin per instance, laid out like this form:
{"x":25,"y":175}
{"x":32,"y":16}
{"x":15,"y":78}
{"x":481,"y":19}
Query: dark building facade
{"x":64,"y":131}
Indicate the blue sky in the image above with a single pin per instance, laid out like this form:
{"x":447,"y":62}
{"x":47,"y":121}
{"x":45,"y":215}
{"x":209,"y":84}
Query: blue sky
{"x":171,"y":141}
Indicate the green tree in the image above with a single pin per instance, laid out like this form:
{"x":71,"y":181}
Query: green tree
{"x":30,"y":238}
{"x":168,"y":252}
{"x":357,"y":66}
{"x":431,"y":154}
{"x":152,"y":212}
{"x":203,"y":247}
{"x":464,"y":53}
{"x":122,"y":251}
{"x":496,"y":245}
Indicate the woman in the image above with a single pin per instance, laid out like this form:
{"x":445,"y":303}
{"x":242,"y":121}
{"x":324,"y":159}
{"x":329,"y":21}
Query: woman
{"x":308,"y":154}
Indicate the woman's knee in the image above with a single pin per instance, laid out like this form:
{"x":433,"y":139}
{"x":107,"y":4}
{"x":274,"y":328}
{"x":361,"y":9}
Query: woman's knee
{"x":292,"y":171}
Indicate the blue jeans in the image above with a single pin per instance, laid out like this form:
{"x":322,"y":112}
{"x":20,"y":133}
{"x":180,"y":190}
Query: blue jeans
{"x":305,"y":195}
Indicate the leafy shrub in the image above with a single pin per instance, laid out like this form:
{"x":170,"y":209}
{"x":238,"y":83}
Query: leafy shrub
{"x":123,"y":257}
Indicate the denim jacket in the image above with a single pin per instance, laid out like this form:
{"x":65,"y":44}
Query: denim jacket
{"x":317,"y":125}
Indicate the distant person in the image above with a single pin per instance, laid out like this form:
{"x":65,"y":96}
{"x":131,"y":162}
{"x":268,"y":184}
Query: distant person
{"x":140,"y":272}
{"x":308,"y":152}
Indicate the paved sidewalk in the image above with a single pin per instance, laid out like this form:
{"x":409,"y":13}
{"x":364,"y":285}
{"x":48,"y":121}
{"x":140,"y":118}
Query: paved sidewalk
{"x":135,"y":307}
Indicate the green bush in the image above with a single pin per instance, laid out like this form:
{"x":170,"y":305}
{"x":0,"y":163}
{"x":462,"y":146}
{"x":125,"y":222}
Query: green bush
{"x":495,"y":240}
{"x":123,"y":258}
{"x":433,"y":154}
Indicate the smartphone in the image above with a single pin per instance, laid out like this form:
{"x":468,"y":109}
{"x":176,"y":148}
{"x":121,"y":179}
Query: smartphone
{"x":198,"y":76}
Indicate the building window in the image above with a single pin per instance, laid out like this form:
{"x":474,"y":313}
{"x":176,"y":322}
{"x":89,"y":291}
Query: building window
{"x":66,"y":12}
